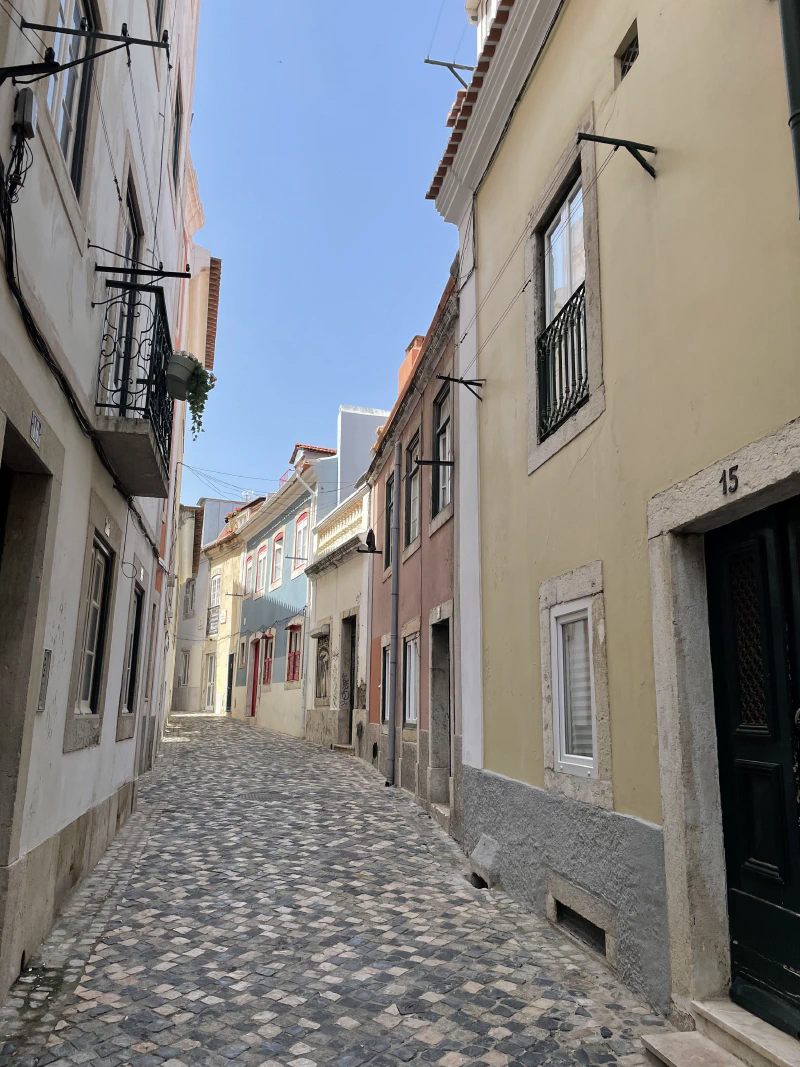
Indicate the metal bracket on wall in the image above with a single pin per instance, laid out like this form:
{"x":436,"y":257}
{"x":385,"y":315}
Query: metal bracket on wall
{"x":454,"y":68}
{"x":34,"y":72}
{"x":471,"y":383}
{"x":435,"y":462}
{"x":634,"y":147}
{"x":139,"y":272}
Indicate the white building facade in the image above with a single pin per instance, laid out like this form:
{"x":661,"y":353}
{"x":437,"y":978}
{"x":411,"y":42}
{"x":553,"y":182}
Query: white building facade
{"x":92,"y":197}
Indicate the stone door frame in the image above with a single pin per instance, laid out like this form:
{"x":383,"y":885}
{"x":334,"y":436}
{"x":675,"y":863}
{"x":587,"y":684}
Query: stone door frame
{"x":766,"y":472}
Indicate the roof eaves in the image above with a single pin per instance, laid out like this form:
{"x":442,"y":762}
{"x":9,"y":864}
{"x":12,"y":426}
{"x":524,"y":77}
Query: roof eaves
{"x":461,"y":122}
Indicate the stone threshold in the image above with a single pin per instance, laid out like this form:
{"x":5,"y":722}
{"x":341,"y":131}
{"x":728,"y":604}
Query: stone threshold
{"x":745,"y":1035}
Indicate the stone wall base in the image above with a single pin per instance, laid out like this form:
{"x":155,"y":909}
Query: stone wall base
{"x":545,"y":839}
{"x":322,"y":726}
{"x":34,"y":888}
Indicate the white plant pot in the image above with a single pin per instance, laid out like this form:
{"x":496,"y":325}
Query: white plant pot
{"x":179,"y":371}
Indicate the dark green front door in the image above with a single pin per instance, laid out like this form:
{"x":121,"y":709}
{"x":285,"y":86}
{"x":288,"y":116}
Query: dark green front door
{"x":753,"y":569}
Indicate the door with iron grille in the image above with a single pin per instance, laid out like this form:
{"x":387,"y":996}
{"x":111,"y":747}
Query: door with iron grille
{"x":753,"y":569}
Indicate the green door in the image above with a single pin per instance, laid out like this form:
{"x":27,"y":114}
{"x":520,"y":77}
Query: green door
{"x":754,"y":617}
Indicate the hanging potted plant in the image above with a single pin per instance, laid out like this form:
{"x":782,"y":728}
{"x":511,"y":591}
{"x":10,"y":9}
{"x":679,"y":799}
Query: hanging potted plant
{"x":188,"y":379}
{"x":200,"y":384}
{"x":179,"y":370}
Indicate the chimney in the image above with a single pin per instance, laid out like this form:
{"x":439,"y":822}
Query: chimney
{"x":409,"y":363}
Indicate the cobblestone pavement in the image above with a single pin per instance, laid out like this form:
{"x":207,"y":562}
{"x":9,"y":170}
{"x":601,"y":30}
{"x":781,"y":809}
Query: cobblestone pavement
{"x":326,"y":921}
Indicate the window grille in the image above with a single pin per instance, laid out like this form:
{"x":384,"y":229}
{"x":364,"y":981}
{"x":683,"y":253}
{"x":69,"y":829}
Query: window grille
{"x":629,"y":57}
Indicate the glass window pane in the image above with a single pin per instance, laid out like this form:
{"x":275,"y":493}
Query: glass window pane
{"x":577,"y":251}
{"x":577,"y":689}
{"x":558,"y":264}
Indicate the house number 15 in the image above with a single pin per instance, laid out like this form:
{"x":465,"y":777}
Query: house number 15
{"x":729,"y":480}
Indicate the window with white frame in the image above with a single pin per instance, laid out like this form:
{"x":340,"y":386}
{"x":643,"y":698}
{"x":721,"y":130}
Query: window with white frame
{"x":412,"y":491}
{"x":385,"y":681}
{"x":388,"y":522}
{"x":573,"y":688}
{"x":300,"y":543}
{"x":94,"y":628}
{"x":69,"y":91}
{"x":442,"y":451}
{"x":411,"y":679}
{"x":130,"y":672}
{"x":276,"y":574}
{"x":188,"y":598}
{"x":186,"y":658}
{"x":216,"y":587}
{"x":242,"y":653}
{"x":248,"y":576}
{"x":261,"y":570}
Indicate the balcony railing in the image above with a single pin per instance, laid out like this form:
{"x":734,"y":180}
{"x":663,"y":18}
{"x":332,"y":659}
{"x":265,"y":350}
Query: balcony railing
{"x":212,"y":627}
{"x":135,"y":351}
{"x":562,"y":364}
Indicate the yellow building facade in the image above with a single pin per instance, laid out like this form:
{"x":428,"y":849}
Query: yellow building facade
{"x":638,"y":337}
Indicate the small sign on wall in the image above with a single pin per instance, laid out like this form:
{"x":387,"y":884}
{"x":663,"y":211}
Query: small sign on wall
{"x":36,"y":429}
{"x":223,"y":616}
{"x":48,"y":655}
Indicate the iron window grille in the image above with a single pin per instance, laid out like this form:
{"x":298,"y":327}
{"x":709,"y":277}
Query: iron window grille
{"x":134,"y":354}
{"x":628,"y":57}
{"x":562,"y":364}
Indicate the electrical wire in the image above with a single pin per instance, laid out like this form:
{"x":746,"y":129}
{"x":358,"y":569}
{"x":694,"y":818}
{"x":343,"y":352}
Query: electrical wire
{"x":436,"y":27}
{"x":105,"y":131}
{"x":19,"y":26}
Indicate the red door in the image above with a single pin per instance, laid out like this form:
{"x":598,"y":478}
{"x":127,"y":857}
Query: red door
{"x":256,"y":660}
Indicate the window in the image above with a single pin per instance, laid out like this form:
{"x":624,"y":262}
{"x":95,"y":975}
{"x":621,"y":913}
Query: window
{"x":186,"y":659}
{"x":242,"y":654}
{"x":211,"y":682}
{"x":573,"y":698}
{"x":412,"y":491}
{"x":442,"y":451}
{"x":125,"y":373}
{"x":628,"y":52}
{"x":70,"y":90}
{"x":410,"y":679}
{"x":177,"y":134}
{"x":188,"y":598}
{"x":385,"y":681}
{"x":94,"y":628}
{"x":388,"y":522}
{"x":565,"y":258}
{"x":216,"y":583}
{"x":248,"y":576}
{"x":321,"y":687}
{"x":276,"y":574}
{"x":261,"y":570}
{"x":269,"y":653}
{"x":130,"y":674}
{"x":293,"y":655}
{"x":300,"y":543}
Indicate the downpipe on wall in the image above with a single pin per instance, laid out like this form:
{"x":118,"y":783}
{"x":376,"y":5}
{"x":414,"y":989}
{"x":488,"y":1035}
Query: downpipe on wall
{"x":790,"y":31}
{"x":395,"y":555}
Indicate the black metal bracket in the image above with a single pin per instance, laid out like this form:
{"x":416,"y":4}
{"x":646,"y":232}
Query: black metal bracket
{"x":137,"y":272}
{"x":34,"y":72}
{"x":454,"y":68}
{"x":435,"y":463}
{"x":471,"y":383}
{"x":634,"y":147}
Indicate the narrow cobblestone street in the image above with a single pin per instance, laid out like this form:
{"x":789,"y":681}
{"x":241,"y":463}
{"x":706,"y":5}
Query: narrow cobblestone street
{"x":273,"y":903}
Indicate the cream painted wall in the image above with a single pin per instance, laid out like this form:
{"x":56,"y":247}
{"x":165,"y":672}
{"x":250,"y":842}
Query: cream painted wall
{"x":700,"y":323}
{"x":227,"y":562}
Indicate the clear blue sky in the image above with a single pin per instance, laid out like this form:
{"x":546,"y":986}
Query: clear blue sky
{"x":317,"y":129}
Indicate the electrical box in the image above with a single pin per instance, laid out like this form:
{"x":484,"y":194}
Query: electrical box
{"x":25,"y":111}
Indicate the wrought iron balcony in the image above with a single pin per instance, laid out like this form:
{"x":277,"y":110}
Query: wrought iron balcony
{"x":562,"y":364}
{"x":212,"y":627}
{"x":134,"y":408}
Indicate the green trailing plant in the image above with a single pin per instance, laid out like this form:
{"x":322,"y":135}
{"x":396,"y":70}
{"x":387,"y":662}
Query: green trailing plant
{"x":200,"y":384}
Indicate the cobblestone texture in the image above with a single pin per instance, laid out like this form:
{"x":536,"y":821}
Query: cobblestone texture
{"x":327,"y":922}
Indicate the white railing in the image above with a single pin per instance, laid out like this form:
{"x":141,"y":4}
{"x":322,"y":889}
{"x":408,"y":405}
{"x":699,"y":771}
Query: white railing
{"x":340,"y":526}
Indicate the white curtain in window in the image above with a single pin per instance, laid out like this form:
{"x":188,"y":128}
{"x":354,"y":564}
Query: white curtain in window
{"x":411,"y":679}
{"x":577,"y":689}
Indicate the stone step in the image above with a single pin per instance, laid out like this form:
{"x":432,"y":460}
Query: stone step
{"x":686,"y":1050}
{"x":348,"y":750}
{"x":751,"y":1039}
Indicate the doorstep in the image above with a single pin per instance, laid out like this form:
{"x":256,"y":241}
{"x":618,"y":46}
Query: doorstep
{"x":348,"y":750}
{"x":686,"y":1050}
{"x":744,"y":1035}
{"x":441,"y":813}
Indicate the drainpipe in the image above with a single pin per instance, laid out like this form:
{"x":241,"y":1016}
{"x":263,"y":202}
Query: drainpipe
{"x":790,"y":30}
{"x":392,"y":714}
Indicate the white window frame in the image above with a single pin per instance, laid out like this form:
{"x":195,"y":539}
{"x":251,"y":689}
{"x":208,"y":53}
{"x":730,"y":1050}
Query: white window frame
{"x":262,"y":557}
{"x":94,"y":646}
{"x":560,"y":615}
{"x":249,"y":574}
{"x":411,"y":680}
{"x":278,"y":546}
{"x":386,"y":668}
{"x":565,"y":205}
{"x":216,"y":590}
{"x":186,"y":660}
{"x":301,"y":560}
